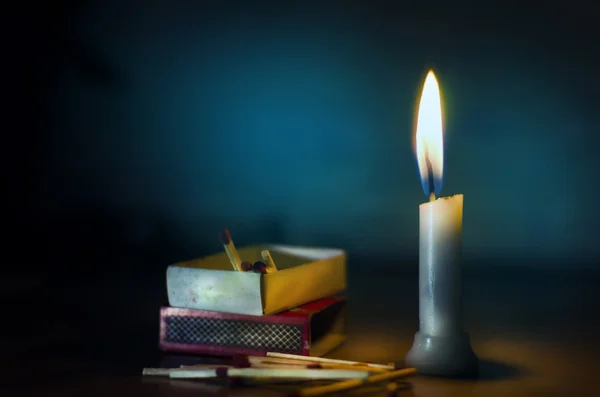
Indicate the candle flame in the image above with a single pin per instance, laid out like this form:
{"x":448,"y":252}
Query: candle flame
{"x":429,"y":137}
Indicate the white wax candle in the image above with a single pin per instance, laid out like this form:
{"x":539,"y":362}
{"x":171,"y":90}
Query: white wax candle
{"x":440,"y":287}
{"x":440,"y":347}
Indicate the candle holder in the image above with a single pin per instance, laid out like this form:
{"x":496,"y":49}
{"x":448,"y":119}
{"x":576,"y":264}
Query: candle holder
{"x":441,"y":347}
{"x":450,"y":355}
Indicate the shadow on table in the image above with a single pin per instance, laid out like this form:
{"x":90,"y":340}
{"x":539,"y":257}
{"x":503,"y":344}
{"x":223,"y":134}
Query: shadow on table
{"x":490,"y":370}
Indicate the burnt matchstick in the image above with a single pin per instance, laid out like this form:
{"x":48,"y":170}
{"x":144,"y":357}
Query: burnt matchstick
{"x":246,"y":266}
{"x":229,"y":247}
{"x":260,"y":267}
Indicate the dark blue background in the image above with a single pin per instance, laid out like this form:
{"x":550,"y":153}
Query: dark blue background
{"x":150,"y":125}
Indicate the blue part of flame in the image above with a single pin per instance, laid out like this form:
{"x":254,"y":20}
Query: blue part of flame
{"x":431,"y":179}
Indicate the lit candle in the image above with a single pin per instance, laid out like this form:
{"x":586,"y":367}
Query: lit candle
{"x":441,"y":347}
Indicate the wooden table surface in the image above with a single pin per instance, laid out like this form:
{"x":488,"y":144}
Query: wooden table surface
{"x":536,"y":333}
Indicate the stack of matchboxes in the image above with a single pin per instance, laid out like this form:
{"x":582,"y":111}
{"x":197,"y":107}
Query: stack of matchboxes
{"x":231,"y":303}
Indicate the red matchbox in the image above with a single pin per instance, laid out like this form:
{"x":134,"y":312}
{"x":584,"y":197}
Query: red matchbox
{"x":312,"y":329}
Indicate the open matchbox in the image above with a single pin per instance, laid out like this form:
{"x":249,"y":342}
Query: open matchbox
{"x":312,"y":329}
{"x":304,"y":275}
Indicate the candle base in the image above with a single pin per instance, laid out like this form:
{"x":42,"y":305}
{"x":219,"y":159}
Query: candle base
{"x":450,"y":356}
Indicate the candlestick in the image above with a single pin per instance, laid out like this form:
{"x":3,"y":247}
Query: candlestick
{"x":440,"y":347}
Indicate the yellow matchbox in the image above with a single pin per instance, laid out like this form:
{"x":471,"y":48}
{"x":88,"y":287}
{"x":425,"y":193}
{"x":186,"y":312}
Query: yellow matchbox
{"x":304,"y":274}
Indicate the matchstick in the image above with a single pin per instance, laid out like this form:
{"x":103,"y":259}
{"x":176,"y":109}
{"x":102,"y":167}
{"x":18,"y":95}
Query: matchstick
{"x":266,"y":255}
{"x":203,"y":366}
{"x":284,"y":366}
{"x":253,"y":362}
{"x":274,"y":361}
{"x":229,"y":247}
{"x":167,"y":371}
{"x":352,"y":383}
{"x":260,"y":362}
{"x":329,"y":360}
{"x":156,"y":371}
{"x":287,"y":373}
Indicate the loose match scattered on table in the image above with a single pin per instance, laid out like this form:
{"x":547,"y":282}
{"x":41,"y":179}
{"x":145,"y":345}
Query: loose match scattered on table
{"x":277,"y":366}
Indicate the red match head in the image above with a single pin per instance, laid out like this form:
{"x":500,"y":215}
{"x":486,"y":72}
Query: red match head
{"x":260,"y":267}
{"x":221,"y":372}
{"x":225,"y":236}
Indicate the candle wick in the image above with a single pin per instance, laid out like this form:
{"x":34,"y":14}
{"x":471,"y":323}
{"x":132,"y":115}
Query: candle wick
{"x":429,"y":176}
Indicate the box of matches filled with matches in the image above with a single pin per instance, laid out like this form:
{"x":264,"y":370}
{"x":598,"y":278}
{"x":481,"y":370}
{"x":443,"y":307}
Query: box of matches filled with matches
{"x":257,"y":280}
{"x":312,"y":329}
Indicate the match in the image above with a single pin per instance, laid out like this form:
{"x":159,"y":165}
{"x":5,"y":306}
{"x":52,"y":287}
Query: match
{"x":387,"y":367}
{"x":260,"y":362}
{"x":266,"y":256}
{"x":256,"y":361}
{"x":353,"y":383}
{"x":167,"y":371}
{"x":156,"y":371}
{"x":287,"y":373}
{"x":260,"y":267}
{"x":229,"y":247}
